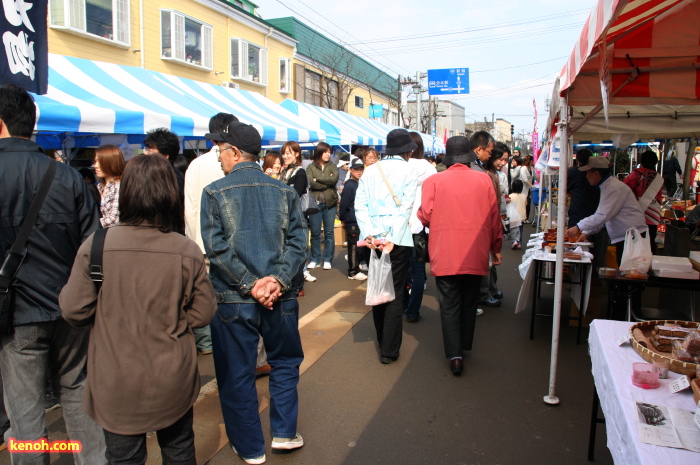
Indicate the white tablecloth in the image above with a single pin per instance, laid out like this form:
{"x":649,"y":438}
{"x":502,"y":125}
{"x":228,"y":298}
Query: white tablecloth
{"x":528,"y":287}
{"x":612,"y":372}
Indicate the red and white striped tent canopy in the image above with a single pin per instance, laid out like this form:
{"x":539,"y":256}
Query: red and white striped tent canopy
{"x":650,"y":52}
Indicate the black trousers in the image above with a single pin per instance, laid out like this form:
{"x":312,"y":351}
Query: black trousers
{"x":352,"y":231}
{"x":458,"y":296}
{"x":388,"y":317}
{"x":176,"y":445}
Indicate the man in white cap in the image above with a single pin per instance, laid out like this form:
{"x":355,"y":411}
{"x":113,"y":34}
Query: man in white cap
{"x":617,"y":211}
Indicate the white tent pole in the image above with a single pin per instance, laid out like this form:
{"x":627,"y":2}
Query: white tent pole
{"x":551,"y":399}
{"x":539,"y":207}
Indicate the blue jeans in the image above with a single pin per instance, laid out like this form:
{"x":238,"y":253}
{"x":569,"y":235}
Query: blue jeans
{"x":235,"y":331}
{"x":416,"y":279}
{"x":327,"y":217}
{"x":24,"y":356}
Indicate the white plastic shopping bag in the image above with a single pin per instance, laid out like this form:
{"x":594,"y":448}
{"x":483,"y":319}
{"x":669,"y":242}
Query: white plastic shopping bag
{"x":512,"y":212}
{"x":380,"y":284}
{"x":637,"y":255}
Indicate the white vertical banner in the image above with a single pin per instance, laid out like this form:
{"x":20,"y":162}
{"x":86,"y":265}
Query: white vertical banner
{"x":604,"y":75}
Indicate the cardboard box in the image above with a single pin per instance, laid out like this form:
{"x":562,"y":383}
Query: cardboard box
{"x":340,"y":236}
{"x":677,"y":274}
{"x":664,"y":263}
{"x":696,"y":265}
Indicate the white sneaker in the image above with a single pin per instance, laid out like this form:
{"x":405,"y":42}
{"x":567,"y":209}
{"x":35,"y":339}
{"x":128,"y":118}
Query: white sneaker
{"x":359,"y":276}
{"x":288,"y":444}
{"x":308,"y":277}
{"x":311,"y":265}
{"x":479,"y":312}
{"x":326,"y":266}
{"x":253,"y":461}
{"x":364,"y":267}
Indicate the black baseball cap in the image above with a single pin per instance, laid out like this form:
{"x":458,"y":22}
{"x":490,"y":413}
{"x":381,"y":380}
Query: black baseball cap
{"x":242,"y":136}
{"x":357,"y":164}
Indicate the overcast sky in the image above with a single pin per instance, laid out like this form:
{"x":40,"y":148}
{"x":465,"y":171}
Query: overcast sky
{"x":514,"y":49}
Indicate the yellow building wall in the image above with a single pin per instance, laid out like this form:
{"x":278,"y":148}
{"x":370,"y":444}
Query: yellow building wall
{"x":376,"y":98}
{"x":223,"y":29}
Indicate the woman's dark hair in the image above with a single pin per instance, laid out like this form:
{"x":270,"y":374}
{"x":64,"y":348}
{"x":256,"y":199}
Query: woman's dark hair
{"x":496,"y":153}
{"x":516,"y":187}
{"x":648,"y":159}
{"x":518,"y":160}
{"x":320,"y":149}
{"x":295,"y":148}
{"x":149,"y":194}
{"x":181,"y":164}
{"x":438,"y":158}
{"x":360,"y":152}
{"x":503,"y":148}
{"x":111,"y":160}
{"x":419,"y":152}
{"x":270,"y":158}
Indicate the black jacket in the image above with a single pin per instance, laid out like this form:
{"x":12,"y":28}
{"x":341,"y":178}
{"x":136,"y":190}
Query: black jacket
{"x":584,"y":197}
{"x":346,"y":212}
{"x":67,"y":217}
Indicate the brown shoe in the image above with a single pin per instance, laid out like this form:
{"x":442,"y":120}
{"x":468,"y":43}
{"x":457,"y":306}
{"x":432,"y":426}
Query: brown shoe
{"x":263,"y":370}
{"x":456,"y":365}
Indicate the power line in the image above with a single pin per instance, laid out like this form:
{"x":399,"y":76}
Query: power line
{"x":490,"y":39}
{"x":538,"y":19}
{"x":517,"y":66}
{"x":359,"y":52}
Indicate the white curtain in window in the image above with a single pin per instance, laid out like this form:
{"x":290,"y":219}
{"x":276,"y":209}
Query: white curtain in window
{"x":178,"y":36}
{"x":263,"y":66}
{"x":122,"y":21}
{"x":206,"y":46}
{"x":77,"y":14}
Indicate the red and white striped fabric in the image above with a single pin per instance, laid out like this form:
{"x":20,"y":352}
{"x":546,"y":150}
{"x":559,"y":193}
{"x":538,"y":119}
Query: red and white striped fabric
{"x":612,"y":20}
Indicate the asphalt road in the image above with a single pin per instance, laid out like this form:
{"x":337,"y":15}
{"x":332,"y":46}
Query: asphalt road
{"x":354,"y":410}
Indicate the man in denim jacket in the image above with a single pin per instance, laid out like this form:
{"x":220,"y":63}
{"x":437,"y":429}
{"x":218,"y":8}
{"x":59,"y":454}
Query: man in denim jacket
{"x":254,"y":234}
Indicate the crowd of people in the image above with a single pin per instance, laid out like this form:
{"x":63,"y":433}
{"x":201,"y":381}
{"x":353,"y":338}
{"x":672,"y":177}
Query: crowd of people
{"x":132,"y":270}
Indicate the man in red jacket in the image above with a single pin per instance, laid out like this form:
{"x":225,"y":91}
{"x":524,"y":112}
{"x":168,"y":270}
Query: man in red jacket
{"x":460,"y":207}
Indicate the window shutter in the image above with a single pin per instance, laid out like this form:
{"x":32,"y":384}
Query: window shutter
{"x":77,"y":14}
{"x":178,"y":34}
{"x":235,"y":58}
{"x":244,"y":61}
{"x":207,"y":59}
{"x":263,"y":66}
{"x":299,"y":80}
{"x":122,"y":22}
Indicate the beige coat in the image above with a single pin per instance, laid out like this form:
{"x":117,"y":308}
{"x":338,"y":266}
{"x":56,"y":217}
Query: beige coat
{"x":142,"y":359}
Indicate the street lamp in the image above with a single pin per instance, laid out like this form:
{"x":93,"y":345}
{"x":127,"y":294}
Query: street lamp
{"x":417,"y":91}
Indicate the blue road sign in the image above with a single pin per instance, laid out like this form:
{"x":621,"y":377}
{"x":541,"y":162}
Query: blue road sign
{"x":448,"y":81}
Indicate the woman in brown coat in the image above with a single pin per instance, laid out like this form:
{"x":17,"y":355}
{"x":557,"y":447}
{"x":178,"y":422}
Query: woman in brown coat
{"x":142,"y":359}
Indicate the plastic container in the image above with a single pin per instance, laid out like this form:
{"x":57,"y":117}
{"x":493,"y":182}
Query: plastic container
{"x":645,"y":375}
{"x":536,"y":195}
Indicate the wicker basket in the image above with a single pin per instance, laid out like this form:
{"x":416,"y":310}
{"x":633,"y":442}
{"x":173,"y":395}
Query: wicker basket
{"x":640,"y":343}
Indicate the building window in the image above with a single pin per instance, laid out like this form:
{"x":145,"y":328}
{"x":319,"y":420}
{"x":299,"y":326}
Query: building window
{"x":108,"y":19}
{"x":312,"y":88}
{"x":248,"y":61}
{"x":185,"y":39}
{"x":285,"y":75}
{"x":359,"y":102}
{"x":332,"y":90}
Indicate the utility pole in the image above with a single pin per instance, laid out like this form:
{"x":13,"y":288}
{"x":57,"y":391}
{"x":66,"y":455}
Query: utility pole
{"x":400,"y":102}
{"x":417,"y":90}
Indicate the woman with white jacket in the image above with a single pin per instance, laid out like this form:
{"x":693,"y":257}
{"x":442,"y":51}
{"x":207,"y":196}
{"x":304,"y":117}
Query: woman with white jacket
{"x":416,"y":276}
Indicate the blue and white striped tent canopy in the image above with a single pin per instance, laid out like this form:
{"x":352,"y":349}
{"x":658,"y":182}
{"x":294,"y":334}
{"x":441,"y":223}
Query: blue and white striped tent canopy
{"x":90,"y":97}
{"x":341,"y":128}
